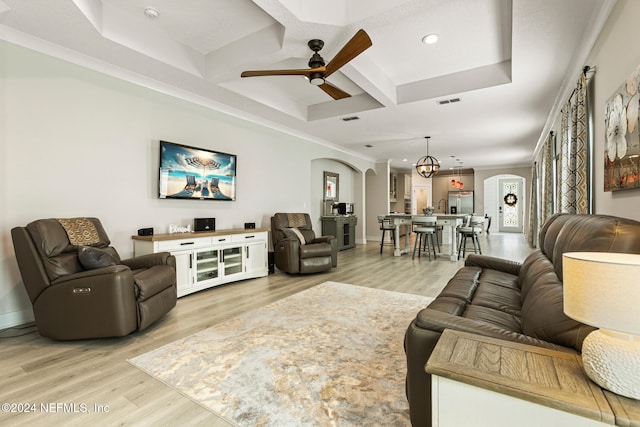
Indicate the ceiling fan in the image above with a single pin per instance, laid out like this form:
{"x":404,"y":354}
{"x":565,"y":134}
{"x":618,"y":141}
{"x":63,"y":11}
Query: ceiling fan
{"x":318,"y":71}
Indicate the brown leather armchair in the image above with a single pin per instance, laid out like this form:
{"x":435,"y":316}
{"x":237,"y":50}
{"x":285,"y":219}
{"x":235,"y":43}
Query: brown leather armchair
{"x":80,"y":288}
{"x":296,"y":247}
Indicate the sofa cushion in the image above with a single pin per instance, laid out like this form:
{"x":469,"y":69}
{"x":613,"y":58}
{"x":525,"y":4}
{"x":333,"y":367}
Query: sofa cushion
{"x":507,"y":321}
{"x":498,"y":298}
{"x":543,"y":314}
{"x":587,"y":233}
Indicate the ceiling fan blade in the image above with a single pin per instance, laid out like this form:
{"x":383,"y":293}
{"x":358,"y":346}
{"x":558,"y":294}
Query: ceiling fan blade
{"x":354,"y":47}
{"x":293,"y":72}
{"x":333,"y":91}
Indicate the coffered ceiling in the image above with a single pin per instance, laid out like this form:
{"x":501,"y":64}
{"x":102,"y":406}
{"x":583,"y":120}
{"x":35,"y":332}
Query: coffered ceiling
{"x":483,"y":93}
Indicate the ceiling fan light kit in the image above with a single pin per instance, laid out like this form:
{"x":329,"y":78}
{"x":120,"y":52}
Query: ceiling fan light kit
{"x":318,"y":71}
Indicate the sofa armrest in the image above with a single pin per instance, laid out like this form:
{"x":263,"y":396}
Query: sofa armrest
{"x":91,"y":304}
{"x":333,"y":241}
{"x":438,"y":321}
{"x":149,"y":260}
{"x":493,"y":263}
{"x":287,"y":255}
{"x":98,"y":273}
{"x":323,"y":239}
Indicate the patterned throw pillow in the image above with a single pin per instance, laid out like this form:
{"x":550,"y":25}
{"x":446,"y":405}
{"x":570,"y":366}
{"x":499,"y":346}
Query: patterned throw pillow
{"x":91,"y":258}
{"x":293,"y":232}
{"x":81,"y":231}
{"x":296,"y":220}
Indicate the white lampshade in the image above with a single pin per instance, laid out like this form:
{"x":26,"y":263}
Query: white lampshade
{"x":602,"y":289}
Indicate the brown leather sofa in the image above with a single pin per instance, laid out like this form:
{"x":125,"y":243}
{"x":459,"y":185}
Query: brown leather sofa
{"x":87,"y":291}
{"x":519,"y":302}
{"x":296,"y":247}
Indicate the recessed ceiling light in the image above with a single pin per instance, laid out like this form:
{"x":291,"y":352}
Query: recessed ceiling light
{"x":430,"y":38}
{"x":151,"y":12}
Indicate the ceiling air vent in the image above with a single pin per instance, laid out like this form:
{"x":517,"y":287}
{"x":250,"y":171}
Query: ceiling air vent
{"x":348,"y":119}
{"x":448,"y":101}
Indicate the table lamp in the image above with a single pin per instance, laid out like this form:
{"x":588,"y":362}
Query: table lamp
{"x":603,"y":290}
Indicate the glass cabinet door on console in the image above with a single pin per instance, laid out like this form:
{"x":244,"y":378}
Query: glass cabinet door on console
{"x":232,"y":261}
{"x":206,"y":265}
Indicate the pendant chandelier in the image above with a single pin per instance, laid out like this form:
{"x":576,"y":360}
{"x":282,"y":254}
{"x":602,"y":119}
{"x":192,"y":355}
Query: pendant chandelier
{"x":457,"y":183}
{"x":427,"y":166}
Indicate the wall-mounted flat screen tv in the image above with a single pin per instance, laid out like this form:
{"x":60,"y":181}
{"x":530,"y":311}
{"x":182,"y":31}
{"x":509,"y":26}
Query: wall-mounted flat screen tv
{"x":196,"y":173}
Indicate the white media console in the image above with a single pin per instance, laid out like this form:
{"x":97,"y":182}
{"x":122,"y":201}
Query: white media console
{"x":210,"y":258}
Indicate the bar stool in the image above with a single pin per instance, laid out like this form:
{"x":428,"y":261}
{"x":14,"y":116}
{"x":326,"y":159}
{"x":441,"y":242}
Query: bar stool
{"x":424,"y":226}
{"x":386,"y":225}
{"x":472,"y":230}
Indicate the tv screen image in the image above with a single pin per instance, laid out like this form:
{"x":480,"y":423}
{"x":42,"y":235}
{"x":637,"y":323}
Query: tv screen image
{"x":196,"y":173}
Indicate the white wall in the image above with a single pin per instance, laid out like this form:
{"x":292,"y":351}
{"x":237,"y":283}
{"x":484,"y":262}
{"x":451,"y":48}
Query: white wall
{"x":79,"y":143}
{"x":615,"y":55}
{"x":377,"y":198}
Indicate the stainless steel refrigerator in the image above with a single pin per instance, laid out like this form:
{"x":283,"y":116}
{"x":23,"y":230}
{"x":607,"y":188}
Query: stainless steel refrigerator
{"x":461,"y":202}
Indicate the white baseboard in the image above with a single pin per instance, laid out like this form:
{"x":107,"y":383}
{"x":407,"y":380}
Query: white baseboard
{"x":15,"y":318}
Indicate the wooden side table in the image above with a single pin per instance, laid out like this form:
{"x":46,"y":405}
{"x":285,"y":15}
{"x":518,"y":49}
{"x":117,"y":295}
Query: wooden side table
{"x":482,"y":381}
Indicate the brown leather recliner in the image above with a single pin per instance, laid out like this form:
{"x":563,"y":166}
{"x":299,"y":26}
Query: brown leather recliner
{"x":296,"y":247}
{"x":79,"y":287}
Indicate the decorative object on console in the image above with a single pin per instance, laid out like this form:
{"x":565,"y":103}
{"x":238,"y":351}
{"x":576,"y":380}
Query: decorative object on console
{"x":601,"y":290}
{"x":204,"y":224}
{"x":344,"y":208}
{"x":145,"y":231}
{"x":249,"y":225}
{"x":427,"y":166}
{"x":196,"y":173}
{"x":179,"y":228}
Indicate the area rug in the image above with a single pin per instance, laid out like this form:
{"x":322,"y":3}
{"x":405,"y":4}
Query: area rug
{"x":331,"y":355}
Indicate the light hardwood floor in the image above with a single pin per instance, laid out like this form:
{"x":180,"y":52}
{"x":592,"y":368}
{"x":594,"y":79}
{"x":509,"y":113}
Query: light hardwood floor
{"x":95,"y":373}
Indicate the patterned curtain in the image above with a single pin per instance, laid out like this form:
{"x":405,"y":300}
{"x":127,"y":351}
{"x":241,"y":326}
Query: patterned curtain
{"x":574,"y":174}
{"x":542,"y":190}
{"x":532,"y":234}
{"x":547,"y":202}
